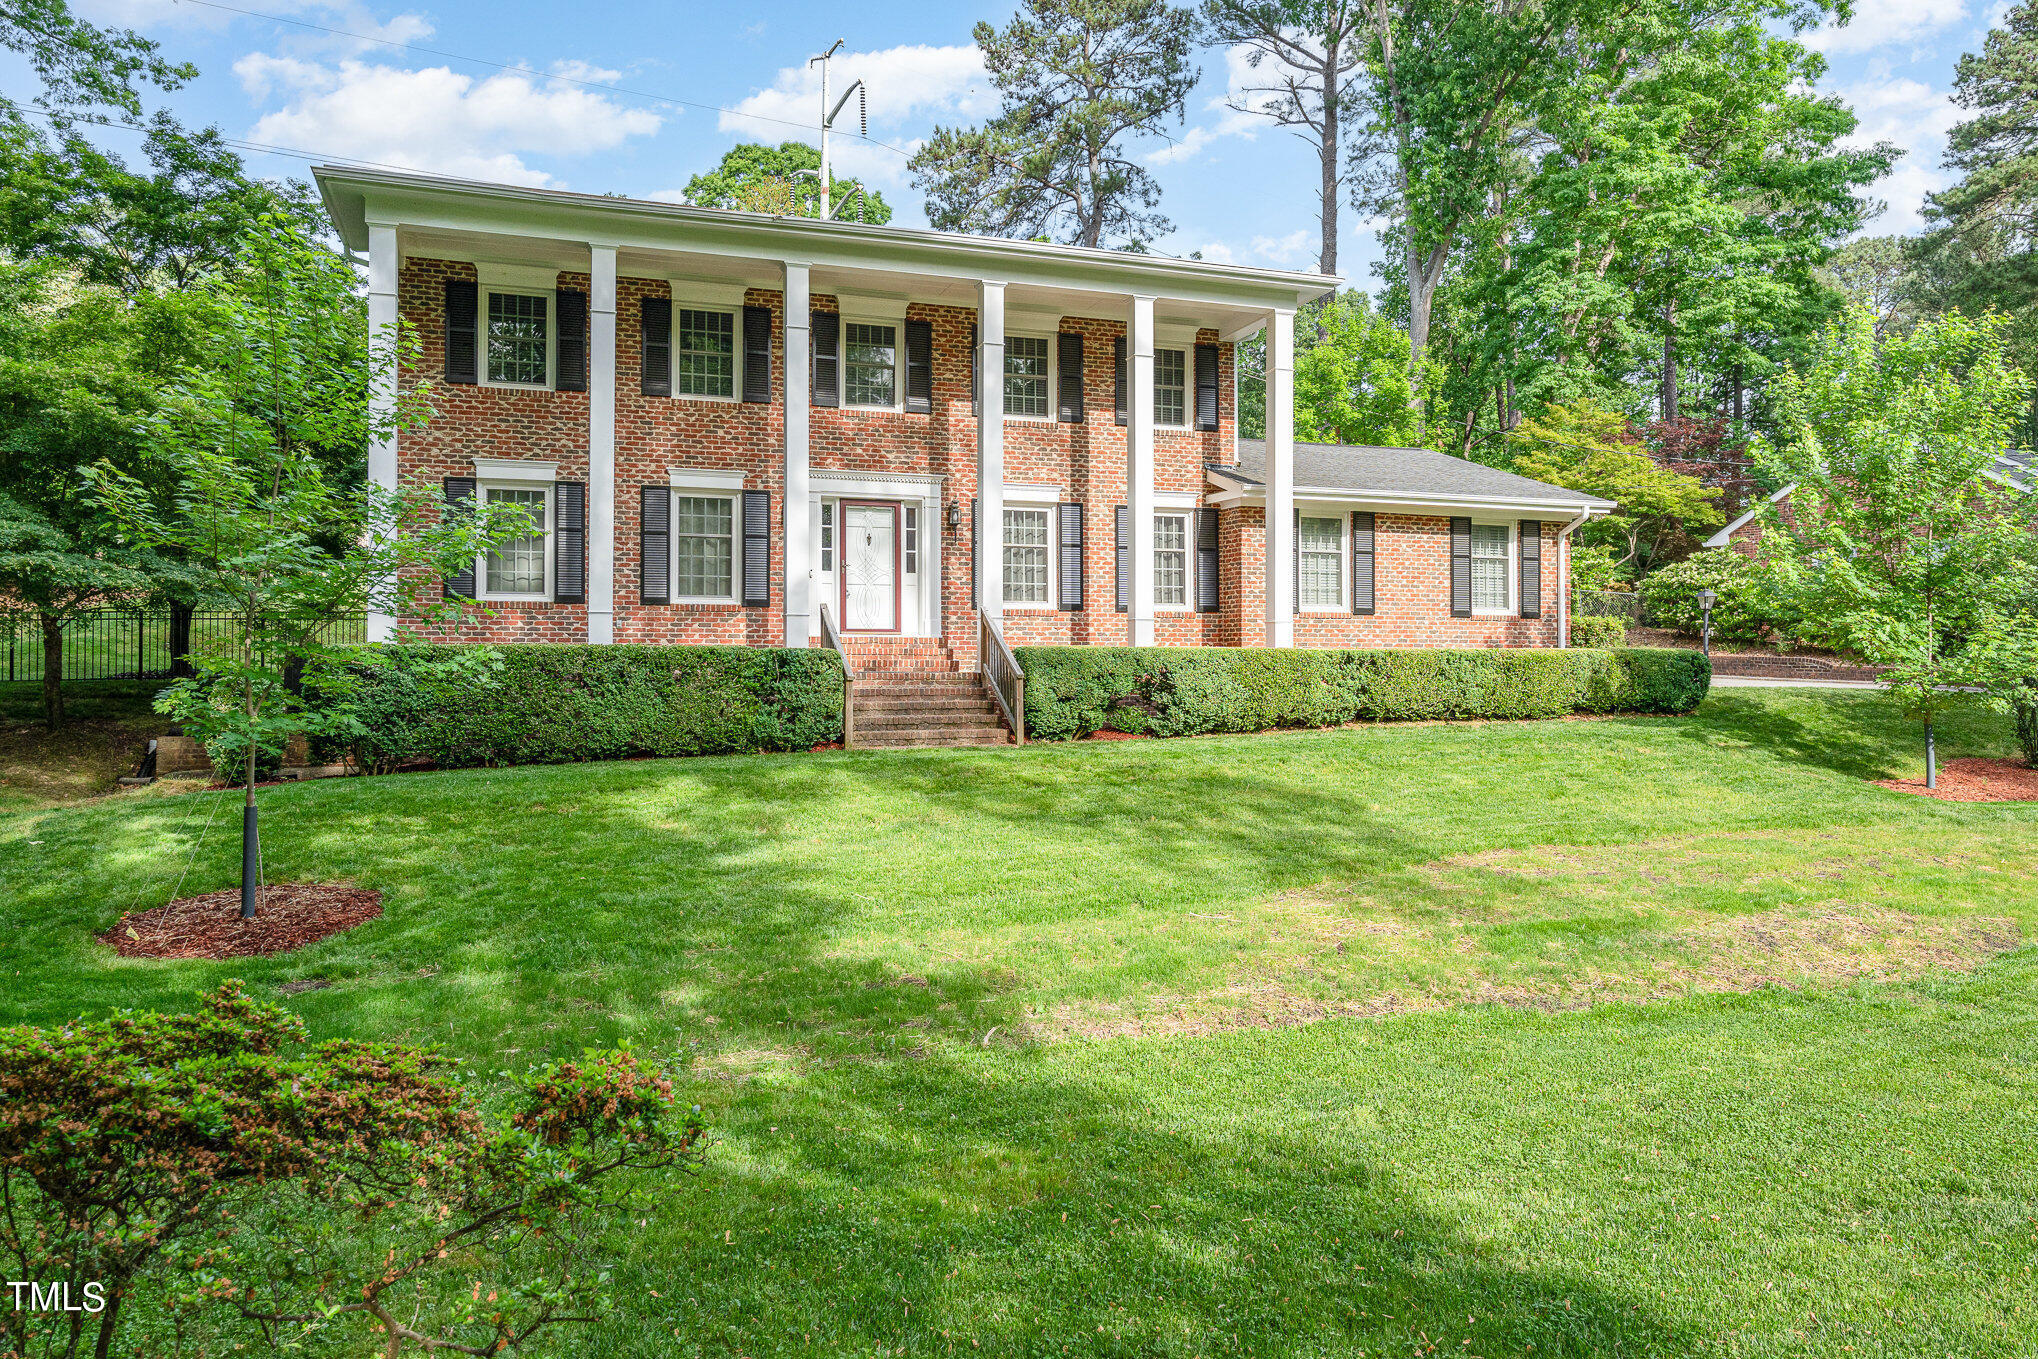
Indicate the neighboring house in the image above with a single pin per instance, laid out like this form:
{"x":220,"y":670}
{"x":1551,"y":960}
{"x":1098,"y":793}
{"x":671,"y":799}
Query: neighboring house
{"x":2017,"y":469}
{"x":732,"y":424}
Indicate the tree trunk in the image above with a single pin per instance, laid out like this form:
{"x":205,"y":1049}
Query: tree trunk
{"x":1669,"y":400}
{"x":1327,"y":153}
{"x":52,"y":669}
{"x":1931,"y":755}
{"x":251,"y":837}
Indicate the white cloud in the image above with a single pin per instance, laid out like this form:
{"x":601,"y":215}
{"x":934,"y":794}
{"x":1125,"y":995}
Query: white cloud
{"x":340,"y":14}
{"x":1185,"y":147}
{"x":909,"y":87}
{"x":1915,"y":117}
{"x":1887,"y":23}
{"x":1296,"y":248}
{"x":437,"y":119}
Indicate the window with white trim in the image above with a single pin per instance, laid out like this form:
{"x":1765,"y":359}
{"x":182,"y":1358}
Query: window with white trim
{"x":704,"y":353}
{"x":870,"y":365}
{"x":1171,"y":386}
{"x":517,"y":568}
{"x":827,"y":537}
{"x":1027,"y":390}
{"x":1490,"y":544}
{"x":519,"y":339}
{"x":1321,"y":544}
{"x":912,"y":549}
{"x":1171,"y":559}
{"x":1026,"y":556}
{"x":703,"y":546}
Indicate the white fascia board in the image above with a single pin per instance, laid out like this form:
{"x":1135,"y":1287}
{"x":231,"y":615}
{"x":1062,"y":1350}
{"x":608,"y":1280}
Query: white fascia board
{"x":875,"y":485}
{"x":515,"y":469}
{"x":1231,"y":494}
{"x":695,"y":479}
{"x":1725,"y":536}
{"x":356,"y":197}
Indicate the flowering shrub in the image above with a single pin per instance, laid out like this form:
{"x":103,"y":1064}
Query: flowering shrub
{"x":1750,"y":607}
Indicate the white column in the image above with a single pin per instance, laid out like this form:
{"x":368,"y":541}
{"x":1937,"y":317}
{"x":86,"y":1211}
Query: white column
{"x":1139,"y":466}
{"x":802,"y":622}
{"x":990,"y":526}
{"x":382,"y":377}
{"x":601,"y":446}
{"x":1280,"y":478}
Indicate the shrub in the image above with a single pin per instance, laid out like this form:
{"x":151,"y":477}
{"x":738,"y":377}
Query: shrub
{"x":1750,"y":607}
{"x":1598,"y":630}
{"x":218,"y":1179}
{"x":1184,"y":691}
{"x":2025,"y":710}
{"x":531,"y":704}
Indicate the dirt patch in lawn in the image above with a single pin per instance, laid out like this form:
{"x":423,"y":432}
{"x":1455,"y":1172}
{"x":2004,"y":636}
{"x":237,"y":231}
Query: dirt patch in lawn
{"x":1974,"y":779}
{"x":287,"y":916}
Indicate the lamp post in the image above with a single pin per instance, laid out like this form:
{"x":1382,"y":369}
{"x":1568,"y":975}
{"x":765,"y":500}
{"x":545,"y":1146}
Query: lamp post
{"x":1705,"y":603}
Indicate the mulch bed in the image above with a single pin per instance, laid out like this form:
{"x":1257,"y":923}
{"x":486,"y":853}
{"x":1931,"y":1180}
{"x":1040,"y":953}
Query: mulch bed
{"x":1105,"y":734}
{"x":1973,"y":779}
{"x":287,"y":916}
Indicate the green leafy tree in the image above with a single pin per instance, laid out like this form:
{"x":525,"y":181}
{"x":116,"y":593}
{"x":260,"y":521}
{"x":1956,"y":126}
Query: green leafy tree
{"x":1907,"y":551}
{"x":1079,"y":80}
{"x":1352,"y":379}
{"x":1877,"y":274}
{"x":82,"y":66}
{"x":785,"y":180}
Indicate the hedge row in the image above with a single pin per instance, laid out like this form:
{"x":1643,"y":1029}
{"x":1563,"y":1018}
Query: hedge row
{"x":536,"y":704}
{"x":1182,"y":691}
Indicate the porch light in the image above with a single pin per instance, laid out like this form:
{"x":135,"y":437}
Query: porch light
{"x":1705,"y":603}
{"x":954,"y":516}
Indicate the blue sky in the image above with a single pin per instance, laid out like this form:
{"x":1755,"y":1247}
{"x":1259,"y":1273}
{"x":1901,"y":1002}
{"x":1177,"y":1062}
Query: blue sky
{"x":1237,"y":187}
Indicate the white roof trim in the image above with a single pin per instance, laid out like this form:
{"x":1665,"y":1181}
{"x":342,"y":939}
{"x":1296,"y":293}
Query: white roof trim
{"x":699,"y":479}
{"x":1230,"y":492}
{"x":1725,"y":536}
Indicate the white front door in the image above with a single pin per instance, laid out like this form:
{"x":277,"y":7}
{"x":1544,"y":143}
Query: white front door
{"x":870,"y":567}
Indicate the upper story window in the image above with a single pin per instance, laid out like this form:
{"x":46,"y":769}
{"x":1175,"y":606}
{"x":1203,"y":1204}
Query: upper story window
{"x":1027,"y":360}
{"x":1171,"y":559}
{"x":870,"y":365}
{"x":704,"y":353}
{"x":519,"y":336}
{"x":1489,"y":568}
{"x":515,"y":569}
{"x":1171,"y":386}
{"x":1321,"y":544}
{"x":1026,"y":555}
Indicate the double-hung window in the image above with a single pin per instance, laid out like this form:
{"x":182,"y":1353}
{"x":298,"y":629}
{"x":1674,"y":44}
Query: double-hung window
{"x":519,"y":339}
{"x":704,"y":353}
{"x":1027,"y":391}
{"x":1489,"y":568}
{"x":1171,"y":559}
{"x":870,"y":365}
{"x":1026,"y":554}
{"x":1321,"y":544}
{"x":1170,"y":387}
{"x":703,"y":546}
{"x":516,"y":568}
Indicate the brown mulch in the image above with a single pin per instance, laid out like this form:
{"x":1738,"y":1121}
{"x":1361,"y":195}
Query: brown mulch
{"x":1973,"y":779}
{"x":1107,"y":735}
{"x":287,"y":916}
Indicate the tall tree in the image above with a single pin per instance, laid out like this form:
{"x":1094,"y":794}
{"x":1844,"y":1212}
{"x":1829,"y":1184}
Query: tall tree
{"x":783,"y":179}
{"x":1352,"y":378}
{"x":1876,"y":273}
{"x":1307,"y":55}
{"x":1079,"y":80}
{"x":82,"y":66}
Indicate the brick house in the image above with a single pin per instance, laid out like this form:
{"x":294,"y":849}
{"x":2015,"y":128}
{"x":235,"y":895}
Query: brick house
{"x":2014,"y":468}
{"x":746,"y":429}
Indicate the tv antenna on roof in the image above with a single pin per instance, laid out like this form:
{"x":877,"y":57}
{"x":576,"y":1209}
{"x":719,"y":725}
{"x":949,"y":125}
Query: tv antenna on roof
{"x":828,"y":116}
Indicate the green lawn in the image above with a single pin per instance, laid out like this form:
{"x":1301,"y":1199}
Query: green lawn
{"x":1569,"y":1109}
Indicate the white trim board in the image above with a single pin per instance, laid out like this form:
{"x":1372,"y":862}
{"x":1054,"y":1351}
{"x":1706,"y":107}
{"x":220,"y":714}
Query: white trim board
{"x":515,"y":469}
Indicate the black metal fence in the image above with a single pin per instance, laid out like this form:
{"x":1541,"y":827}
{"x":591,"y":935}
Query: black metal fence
{"x":128,"y":643}
{"x":1609,"y":604}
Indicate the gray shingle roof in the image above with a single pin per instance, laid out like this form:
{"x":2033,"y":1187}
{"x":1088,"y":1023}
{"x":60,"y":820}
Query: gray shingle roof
{"x":2019,"y":467}
{"x":1390,"y":472}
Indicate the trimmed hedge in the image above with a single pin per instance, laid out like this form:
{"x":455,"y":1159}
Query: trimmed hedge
{"x":1183,"y":691}
{"x":1598,"y":630}
{"x":541,"y":704}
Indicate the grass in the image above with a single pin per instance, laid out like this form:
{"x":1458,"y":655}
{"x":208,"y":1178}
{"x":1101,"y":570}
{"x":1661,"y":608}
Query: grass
{"x":107,"y":723}
{"x":888,"y":973}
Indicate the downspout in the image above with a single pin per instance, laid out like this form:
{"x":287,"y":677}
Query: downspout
{"x":1564,"y":577}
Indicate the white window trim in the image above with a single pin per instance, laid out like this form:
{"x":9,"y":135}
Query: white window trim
{"x":519,"y":482}
{"x":703,"y":298}
{"x":1188,"y":353}
{"x":1511,"y":560}
{"x":717,"y":485}
{"x":1187,"y":514}
{"x":509,"y":288}
{"x":514,"y":469}
{"x":1053,"y":374}
{"x":1343,"y":519}
{"x":864,"y":318}
{"x":1052,"y":509}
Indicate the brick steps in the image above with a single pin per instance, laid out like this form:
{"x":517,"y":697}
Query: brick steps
{"x":912,"y":691}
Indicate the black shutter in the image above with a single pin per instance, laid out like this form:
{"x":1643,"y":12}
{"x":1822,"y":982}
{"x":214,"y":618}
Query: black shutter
{"x":1206,"y":560}
{"x":1461,"y":568}
{"x":460,"y":501}
{"x":572,"y":340}
{"x":1118,"y":377}
{"x":1206,"y":386}
{"x":1069,"y":378}
{"x":1363,"y":526}
{"x":1071,"y":548}
{"x":1122,"y":550}
{"x":654,"y":323}
{"x":976,"y":398}
{"x":569,"y":542}
{"x":919,"y":367}
{"x":463,"y":340}
{"x":1531,"y":568}
{"x":756,"y":548}
{"x":827,"y":365}
{"x":976,"y":553}
{"x":654,"y":544}
{"x":1295,"y":561}
{"x":757,"y":355}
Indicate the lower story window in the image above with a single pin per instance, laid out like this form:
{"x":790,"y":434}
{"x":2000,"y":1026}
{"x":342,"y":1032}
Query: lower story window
{"x":703,"y":546}
{"x":912,"y":551}
{"x":1025,"y":544}
{"x":1321,"y":543}
{"x":1489,"y":567}
{"x":827,"y":537}
{"x":517,"y":566}
{"x":1171,"y":559}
